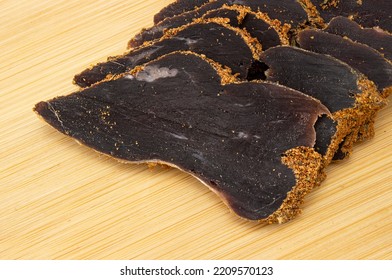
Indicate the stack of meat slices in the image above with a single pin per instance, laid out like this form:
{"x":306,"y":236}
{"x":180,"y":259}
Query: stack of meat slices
{"x":253,"y":98}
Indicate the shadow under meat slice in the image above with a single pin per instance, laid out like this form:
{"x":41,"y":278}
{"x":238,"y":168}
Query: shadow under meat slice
{"x":286,"y":12}
{"x":367,"y":13}
{"x":250,"y":142}
{"x":231,"y":47}
{"x":376,"y":38}
{"x":351,"y":98}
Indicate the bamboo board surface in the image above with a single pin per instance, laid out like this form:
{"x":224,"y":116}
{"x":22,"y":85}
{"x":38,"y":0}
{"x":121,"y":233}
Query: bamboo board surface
{"x":60,"y":200}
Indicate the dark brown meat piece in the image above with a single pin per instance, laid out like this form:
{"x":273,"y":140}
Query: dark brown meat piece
{"x":359,"y":56}
{"x":368,"y":13}
{"x":286,"y":11}
{"x":178,"y":7}
{"x":350,"y":97}
{"x":373,"y":37}
{"x":250,"y":142}
{"x":224,"y":44}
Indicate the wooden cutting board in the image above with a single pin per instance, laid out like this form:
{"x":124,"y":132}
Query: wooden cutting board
{"x":60,"y":200}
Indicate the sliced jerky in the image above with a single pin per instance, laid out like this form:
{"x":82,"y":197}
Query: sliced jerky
{"x":157,"y":31}
{"x":285,"y":11}
{"x":178,"y":7}
{"x":350,"y":97}
{"x":368,"y":13}
{"x":249,"y":142}
{"x":373,"y":37}
{"x":268,"y":34}
{"x":224,"y":44}
{"x":359,"y":56}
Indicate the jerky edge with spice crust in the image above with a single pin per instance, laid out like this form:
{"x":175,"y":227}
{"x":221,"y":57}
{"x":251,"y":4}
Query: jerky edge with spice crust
{"x":375,"y":37}
{"x":352,"y":99}
{"x":232,"y":47}
{"x":178,"y":7}
{"x":287,"y":12}
{"x":186,"y":111}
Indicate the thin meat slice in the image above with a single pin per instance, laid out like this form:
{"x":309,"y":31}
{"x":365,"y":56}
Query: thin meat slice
{"x":352,"y":99}
{"x":229,"y":46}
{"x":178,"y":7}
{"x":376,"y":38}
{"x":289,"y":12}
{"x":359,"y":56}
{"x":367,"y":13}
{"x":250,"y":142}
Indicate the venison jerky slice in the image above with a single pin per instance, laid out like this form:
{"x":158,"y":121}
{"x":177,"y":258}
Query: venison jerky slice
{"x":286,"y":12}
{"x":178,"y":7}
{"x":367,"y":13}
{"x":251,"y":142}
{"x":359,"y":56}
{"x":375,"y":37}
{"x":350,"y":97}
{"x":259,"y":25}
{"x":226,"y":45}
{"x":157,"y":30}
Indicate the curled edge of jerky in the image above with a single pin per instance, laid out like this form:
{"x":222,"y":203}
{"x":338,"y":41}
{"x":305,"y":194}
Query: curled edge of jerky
{"x":357,"y":123}
{"x":253,"y":43}
{"x":305,"y":162}
{"x":254,"y":46}
{"x":281,"y":29}
{"x":353,"y":123}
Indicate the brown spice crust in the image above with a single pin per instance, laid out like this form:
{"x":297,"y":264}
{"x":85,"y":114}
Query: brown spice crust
{"x":306,"y":164}
{"x":356,"y":123}
{"x":329,"y":3}
{"x":281,"y":29}
{"x":313,"y":14}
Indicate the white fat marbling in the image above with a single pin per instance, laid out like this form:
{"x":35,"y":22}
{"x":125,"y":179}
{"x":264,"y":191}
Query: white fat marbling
{"x":188,"y":41}
{"x":178,"y":136}
{"x":129,"y":76}
{"x":243,"y":105}
{"x":152,"y":73}
{"x":244,"y":135}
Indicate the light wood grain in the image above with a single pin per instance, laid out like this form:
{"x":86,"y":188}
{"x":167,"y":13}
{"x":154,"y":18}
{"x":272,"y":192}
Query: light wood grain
{"x":60,"y":200}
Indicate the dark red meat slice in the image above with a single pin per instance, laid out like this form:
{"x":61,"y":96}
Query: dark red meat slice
{"x":359,"y":56}
{"x":249,"y":142}
{"x":178,"y":7}
{"x":368,"y":13}
{"x":286,"y":11}
{"x":224,"y":44}
{"x":350,"y":97}
{"x":373,"y":37}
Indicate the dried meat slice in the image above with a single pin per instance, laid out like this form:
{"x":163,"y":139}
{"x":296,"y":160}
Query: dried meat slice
{"x":375,"y":37}
{"x":178,"y":7}
{"x":352,"y":99}
{"x":359,"y":56}
{"x":367,"y":13}
{"x":227,"y":45}
{"x":288,"y":12}
{"x":250,"y":142}
{"x":158,"y":30}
